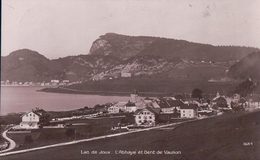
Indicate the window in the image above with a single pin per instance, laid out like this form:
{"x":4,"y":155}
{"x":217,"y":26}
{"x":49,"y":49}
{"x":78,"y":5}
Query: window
{"x":150,"y":117}
{"x":140,"y":121}
{"x":139,"y":117}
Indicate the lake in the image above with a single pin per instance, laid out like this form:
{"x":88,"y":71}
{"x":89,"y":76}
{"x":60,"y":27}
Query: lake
{"x":23,"y":99}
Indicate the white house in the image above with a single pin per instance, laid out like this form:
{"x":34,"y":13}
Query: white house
{"x":134,"y":98}
{"x":121,"y":106}
{"x":126,"y":74}
{"x":113,"y":109}
{"x":30,"y":120}
{"x":55,"y":81}
{"x":145,"y":117}
{"x":254,"y":102}
{"x":189,"y":111}
{"x":131,"y":107}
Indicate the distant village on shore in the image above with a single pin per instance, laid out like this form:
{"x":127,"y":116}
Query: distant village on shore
{"x":137,"y":113}
{"x":150,"y":111}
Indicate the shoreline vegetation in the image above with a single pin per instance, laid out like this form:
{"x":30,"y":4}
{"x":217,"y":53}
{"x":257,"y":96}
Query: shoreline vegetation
{"x":103,"y":93}
{"x":144,"y":86}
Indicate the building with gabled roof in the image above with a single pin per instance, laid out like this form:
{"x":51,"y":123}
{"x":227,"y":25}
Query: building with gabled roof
{"x":131,"y":107}
{"x":189,"y":111}
{"x":169,"y":106}
{"x":146,"y":116}
{"x":30,"y":120}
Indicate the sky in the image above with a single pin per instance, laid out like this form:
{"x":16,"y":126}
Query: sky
{"x":58,"y":28}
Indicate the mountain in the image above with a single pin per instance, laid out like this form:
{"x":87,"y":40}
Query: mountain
{"x":248,"y":66}
{"x":124,"y":47}
{"x":84,"y":67}
{"x":27,"y":65}
{"x":113,"y":55}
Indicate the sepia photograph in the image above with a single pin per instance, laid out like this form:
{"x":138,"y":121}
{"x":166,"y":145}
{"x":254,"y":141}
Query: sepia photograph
{"x":130,"y":80}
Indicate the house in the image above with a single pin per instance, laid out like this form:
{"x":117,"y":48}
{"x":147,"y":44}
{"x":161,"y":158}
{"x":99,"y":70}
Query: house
{"x":134,"y":98}
{"x":152,"y":104}
{"x":146,"y":116}
{"x":131,"y":107}
{"x":189,"y":111}
{"x":253,"y":101}
{"x":220,"y":102}
{"x":126,"y":74}
{"x":120,"y":105}
{"x":113,"y":109}
{"x":169,"y":105}
{"x":175,"y":103}
{"x":141,"y":104}
{"x":30,"y":120}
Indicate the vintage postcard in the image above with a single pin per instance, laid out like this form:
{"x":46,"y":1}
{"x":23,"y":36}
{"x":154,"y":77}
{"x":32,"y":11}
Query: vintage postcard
{"x":130,"y":80}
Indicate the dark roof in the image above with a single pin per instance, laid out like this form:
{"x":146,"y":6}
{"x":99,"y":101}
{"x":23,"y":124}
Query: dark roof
{"x":219,"y":98}
{"x":38,"y":114}
{"x":175,"y":103}
{"x":189,"y":106}
{"x":168,"y":103}
{"x":242,"y":100}
{"x":153,"y":110}
{"x":130,"y":104}
{"x":163,"y":105}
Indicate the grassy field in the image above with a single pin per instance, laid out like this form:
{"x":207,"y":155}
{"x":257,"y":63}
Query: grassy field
{"x":220,"y":138}
{"x":87,"y":128}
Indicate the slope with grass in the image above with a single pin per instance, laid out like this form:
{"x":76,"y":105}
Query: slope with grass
{"x":219,"y":138}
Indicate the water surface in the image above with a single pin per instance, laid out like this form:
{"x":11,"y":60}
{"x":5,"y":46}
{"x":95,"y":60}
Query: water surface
{"x":22,"y":99}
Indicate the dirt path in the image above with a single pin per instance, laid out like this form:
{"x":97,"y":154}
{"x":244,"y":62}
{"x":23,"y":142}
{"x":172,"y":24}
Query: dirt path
{"x":89,"y":139}
{"x":12,"y":143}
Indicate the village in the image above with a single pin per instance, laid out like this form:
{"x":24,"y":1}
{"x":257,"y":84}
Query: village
{"x":135,"y":114}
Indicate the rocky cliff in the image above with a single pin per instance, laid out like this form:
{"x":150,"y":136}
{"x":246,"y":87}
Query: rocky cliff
{"x":119,"y":56}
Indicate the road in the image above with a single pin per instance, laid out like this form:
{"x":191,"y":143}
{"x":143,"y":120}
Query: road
{"x":12,"y":143}
{"x":87,"y":140}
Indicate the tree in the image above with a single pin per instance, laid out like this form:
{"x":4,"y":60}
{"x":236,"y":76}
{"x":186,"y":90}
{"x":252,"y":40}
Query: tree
{"x":128,"y":119}
{"x":44,"y":116}
{"x":221,"y":102}
{"x":245,"y":88}
{"x":196,"y":93}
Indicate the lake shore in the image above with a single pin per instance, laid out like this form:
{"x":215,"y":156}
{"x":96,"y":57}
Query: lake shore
{"x":23,"y":99}
{"x":102,"y":93}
